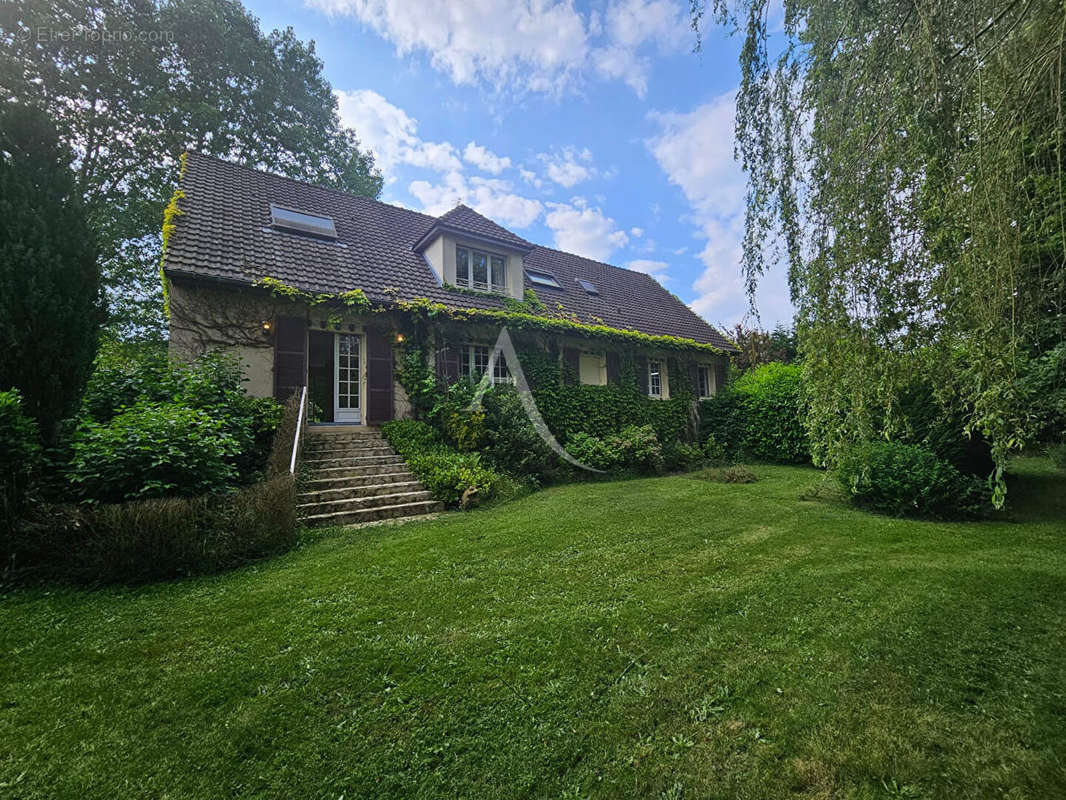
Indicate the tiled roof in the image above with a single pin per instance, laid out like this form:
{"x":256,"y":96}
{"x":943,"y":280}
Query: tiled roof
{"x":225,"y":233}
{"x":465,"y":219}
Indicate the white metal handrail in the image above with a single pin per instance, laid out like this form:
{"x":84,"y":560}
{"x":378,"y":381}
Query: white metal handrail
{"x":299,"y":431}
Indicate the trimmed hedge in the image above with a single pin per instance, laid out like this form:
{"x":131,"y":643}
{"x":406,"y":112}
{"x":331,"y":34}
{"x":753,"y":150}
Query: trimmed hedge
{"x":905,"y":480}
{"x":147,"y":540}
{"x":760,"y":416}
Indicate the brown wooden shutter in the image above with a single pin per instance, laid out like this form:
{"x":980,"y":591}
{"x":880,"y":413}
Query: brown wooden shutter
{"x":641,"y":363}
{"x":379,"y":386}
{"x":290,"y":356}
{"x":571,"y":365}
{"x":448,"y":365}
{"x":614,"y":367}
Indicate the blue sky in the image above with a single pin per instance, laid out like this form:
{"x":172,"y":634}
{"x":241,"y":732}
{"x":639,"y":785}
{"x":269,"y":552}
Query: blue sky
{"x":588,"y":127}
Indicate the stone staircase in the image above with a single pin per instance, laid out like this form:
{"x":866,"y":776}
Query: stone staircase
{"x":354,"y":476}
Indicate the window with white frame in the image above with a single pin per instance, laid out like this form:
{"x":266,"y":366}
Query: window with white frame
{"x":705,"y":378}
{"x":655,"y":379}
{"x":483,"y":272}
{"x":474,"y":362}
{"x":592,"y":369}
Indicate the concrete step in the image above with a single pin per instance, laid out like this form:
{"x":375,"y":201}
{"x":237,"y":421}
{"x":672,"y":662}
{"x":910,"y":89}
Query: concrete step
{"x":345,"y":437}
{"x":356,"y":471}
{"x":351,"y":461}
{"x":320,"y":484}
{"x":353,"y":492}
{"x":335,"y":450}
{"x":355,"y":517}
{"x":357,"y":503}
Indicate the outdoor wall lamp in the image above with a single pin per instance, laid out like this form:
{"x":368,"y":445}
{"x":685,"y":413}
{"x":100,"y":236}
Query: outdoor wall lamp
{"x":266,"y":326}
{"x":399,"y":338}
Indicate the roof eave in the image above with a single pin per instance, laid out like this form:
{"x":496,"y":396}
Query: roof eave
{"x":439,"y":229}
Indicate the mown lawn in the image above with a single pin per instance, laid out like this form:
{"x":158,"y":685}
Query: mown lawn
{"x":658,"y":638}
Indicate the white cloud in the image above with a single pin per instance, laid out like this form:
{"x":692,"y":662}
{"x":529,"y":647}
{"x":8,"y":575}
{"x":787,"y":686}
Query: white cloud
{"x":484,"y":159}
{"x":531,"y":177}
{"x":392,"y":135}
{"x":657,"y":269}
{"x":586,"y":231}
{"x":569,"y":166}
{"x":538,"y":45}
{"x":695,"y":150}
{"x":489,"y":196}
{"x":636,"y":233}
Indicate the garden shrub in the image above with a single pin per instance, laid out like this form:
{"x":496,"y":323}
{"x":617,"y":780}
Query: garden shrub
{"x":153,"y":450}
{"x":19,"y":454}
{"x":682,"y":456}
{"x":594,"y":451}
{"x":907,"y":480}
{"x":771,"y":396}
{"x":155,"y":539}
{"x":1057,"y":454}
{"x":639,"y":449}
{"x":722,"y":426}
{"x":410,"y":436}
{"x":931,"y":426}
{"x":124,"y":377}
{"x":733,"y":474}
{"x":448,"y":474}
{"x":512,"y":445}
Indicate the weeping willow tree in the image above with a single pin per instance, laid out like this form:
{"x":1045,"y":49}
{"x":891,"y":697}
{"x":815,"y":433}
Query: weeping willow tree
{"x":905,"y":159}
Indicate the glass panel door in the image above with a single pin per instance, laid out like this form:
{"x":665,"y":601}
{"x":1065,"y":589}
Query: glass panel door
{"x":346,"y":404}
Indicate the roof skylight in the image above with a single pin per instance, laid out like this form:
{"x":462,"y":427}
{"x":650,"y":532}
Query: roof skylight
{"x":302,"y":222}
{"x":588,"y":286}
{"x":542,"y":278}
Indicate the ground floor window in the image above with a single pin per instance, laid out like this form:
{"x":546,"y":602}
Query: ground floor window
{"x":655,"y":379}
{"x":474,"y":362}
{"x":592,"y":368}
{"x":705,"y":377}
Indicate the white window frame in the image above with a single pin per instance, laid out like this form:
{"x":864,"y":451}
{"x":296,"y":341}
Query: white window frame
{"x":712,"y":382}
{"x":489,"y":286}
{"x":601,"y":368}
{"x":658,"y":374}
{"x":469,"y":363}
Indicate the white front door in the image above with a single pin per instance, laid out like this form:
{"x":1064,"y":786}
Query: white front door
{"x":346,"y":385}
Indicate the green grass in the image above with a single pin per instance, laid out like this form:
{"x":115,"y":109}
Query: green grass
{"x":668,"y":637}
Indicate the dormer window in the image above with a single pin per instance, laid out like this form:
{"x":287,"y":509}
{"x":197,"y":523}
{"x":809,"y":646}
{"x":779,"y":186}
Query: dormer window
{"x":483,"y":272}
{"x":542,"y":278}
{"x":302,"y":222}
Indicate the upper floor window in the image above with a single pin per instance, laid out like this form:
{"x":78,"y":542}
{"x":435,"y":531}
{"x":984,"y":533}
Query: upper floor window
{"x":592,"y":369}
{"x":484,"y":272}
{"x":705,"y":379}
{"x":655,"y":379}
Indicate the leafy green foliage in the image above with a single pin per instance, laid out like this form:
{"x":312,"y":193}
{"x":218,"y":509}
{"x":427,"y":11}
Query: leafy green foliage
{"x":758,"y":346}
{"x":682,"y":456}
{"x":1057,"y":454}
{"x":511,"y":443}
{"x":594,"y":451}
{"x":909,"y":163}
{"x":639,"y":449}
{"x":163,"y":92}
{"x":156,"y":539}
{"x":19,"y":454}
{"x":456,"y":479}
{"x":737,"y":473}
{"x":51,"y":308}
{"x":125,"y":376}
{"x":906,"y":480}
{"x":760,"y":415}
{"x":153,"y":450}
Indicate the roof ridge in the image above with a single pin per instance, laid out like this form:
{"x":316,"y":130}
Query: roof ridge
{"x":308,"y":184}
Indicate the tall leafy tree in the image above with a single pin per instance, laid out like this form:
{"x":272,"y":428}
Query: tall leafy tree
{"x":131,"y":84}
{"x":906,"y":159}
{"x":51,"y":307}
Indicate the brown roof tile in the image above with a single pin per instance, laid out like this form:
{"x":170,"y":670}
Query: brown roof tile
{"x":225,"y":233}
